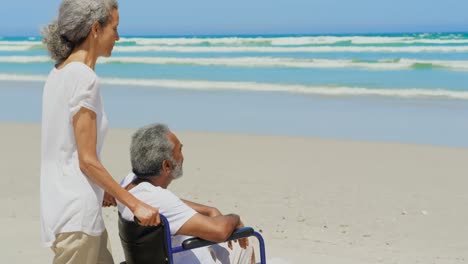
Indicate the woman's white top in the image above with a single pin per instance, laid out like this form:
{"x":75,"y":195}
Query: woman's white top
{"x":69,"y":200}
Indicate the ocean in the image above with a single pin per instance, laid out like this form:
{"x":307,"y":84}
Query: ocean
{"x":407,"y":88}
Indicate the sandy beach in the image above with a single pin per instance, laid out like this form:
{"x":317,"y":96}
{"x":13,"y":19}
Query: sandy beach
{"x":314,"y":200}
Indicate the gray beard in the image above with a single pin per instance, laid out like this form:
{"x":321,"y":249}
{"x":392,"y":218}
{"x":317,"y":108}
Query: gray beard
{"x":177,"y":171}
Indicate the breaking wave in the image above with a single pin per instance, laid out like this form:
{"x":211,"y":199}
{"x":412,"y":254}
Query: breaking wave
{"x":266,"y":87}
{"x":383,"y":64}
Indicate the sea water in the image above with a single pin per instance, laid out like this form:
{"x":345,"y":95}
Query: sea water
{"x":410,"y":88}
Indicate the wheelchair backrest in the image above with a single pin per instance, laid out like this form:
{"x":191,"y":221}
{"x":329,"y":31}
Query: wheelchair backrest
{"x":143,"y":244}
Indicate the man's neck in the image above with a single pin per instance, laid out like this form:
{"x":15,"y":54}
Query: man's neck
{"x":158,"y":181}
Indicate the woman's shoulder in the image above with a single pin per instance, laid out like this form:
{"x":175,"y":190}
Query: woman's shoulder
{"x":78,"y":70}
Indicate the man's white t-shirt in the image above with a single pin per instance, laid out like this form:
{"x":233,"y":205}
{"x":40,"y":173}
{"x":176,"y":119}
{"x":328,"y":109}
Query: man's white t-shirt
{"x":176,"y":212}
{"x":69,"y":200}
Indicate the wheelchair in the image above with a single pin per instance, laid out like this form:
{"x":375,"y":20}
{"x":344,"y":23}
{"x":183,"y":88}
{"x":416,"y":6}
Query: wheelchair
{"x":152,"y":245}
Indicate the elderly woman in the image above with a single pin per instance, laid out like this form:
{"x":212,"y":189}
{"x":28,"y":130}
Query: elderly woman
{"x":74,"y":124}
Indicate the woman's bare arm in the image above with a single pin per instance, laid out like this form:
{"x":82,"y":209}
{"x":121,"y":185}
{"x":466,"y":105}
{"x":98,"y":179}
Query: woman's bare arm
{"x":84,"y":124}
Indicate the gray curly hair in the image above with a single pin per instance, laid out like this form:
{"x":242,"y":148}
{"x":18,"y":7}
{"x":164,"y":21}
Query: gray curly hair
{"x":73,"y":25}
{"x":150,"y":146}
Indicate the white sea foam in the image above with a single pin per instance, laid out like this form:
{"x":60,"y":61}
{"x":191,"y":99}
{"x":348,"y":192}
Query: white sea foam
{"x":324,"y":40}
{"x":315,"y":49}
{"x":15,"y":47}
{"x":266,"y":42}
{"x":24,"y":59}
{"x":194,"y":41}
{"x":20,"y":43}
{"x":288,"y":41}
{"x":264,"y":49}
{"x":265,"y":87}
{"x":272,"y":44}
{"x":398,"y":64}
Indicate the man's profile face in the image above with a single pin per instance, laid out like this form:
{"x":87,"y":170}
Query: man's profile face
{"x":177,"y":156}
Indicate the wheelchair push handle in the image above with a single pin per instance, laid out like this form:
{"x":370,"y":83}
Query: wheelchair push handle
{"x":138,"y":222}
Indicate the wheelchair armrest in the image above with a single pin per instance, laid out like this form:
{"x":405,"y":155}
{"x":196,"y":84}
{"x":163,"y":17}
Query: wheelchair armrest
{"x":196,"y":242}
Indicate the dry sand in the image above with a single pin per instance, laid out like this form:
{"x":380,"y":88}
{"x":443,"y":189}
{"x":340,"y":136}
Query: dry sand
{"x":315,"y":200}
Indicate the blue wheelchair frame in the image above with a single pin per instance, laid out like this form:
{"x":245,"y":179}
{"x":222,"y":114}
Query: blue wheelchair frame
{"x":188,"y":244}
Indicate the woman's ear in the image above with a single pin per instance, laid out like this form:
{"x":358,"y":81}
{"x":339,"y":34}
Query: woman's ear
{"x":95,"y":29}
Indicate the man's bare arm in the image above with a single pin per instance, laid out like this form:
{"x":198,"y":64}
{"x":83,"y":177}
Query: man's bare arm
{"x":216,"y":229}
{"x":203,"y":209}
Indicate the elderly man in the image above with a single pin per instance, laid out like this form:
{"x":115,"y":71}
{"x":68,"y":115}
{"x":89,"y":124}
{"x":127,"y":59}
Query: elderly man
{"x":156,"y":157}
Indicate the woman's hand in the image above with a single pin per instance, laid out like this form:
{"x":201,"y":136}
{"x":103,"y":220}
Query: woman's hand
{"x":146,"y":215}
{"x":108,"y":200}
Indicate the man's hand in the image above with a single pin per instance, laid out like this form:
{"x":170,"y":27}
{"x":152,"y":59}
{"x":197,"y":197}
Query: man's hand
{"x":146,"y":215}
{"x":243,"y":242}
{"x":108,"y":200}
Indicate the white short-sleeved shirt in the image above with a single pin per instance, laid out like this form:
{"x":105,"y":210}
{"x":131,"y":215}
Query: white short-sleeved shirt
{"x":176,"y":212}
{"x":69,"y":200}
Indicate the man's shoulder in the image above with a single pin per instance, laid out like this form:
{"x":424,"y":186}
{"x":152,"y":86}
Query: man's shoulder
{"x":148,"y":187}
{"x":127,"y":180}
{"x":155,"y":196}
{"x":147,"y":193}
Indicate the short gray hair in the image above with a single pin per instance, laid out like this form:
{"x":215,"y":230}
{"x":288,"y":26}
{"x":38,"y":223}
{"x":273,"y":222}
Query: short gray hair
{"x":73,"y":25}
{"x":150,"y":146}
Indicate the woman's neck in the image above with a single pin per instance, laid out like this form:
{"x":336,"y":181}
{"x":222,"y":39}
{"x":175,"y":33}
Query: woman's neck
{"x":85,"y":53}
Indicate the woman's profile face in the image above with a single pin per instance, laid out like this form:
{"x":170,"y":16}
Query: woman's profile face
{"x":108,"y":35}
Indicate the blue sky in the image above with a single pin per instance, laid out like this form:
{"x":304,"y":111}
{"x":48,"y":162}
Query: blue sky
{"x":220,"y":17}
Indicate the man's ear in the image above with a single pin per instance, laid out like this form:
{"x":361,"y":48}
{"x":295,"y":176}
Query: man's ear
{"x":167,"y":166}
